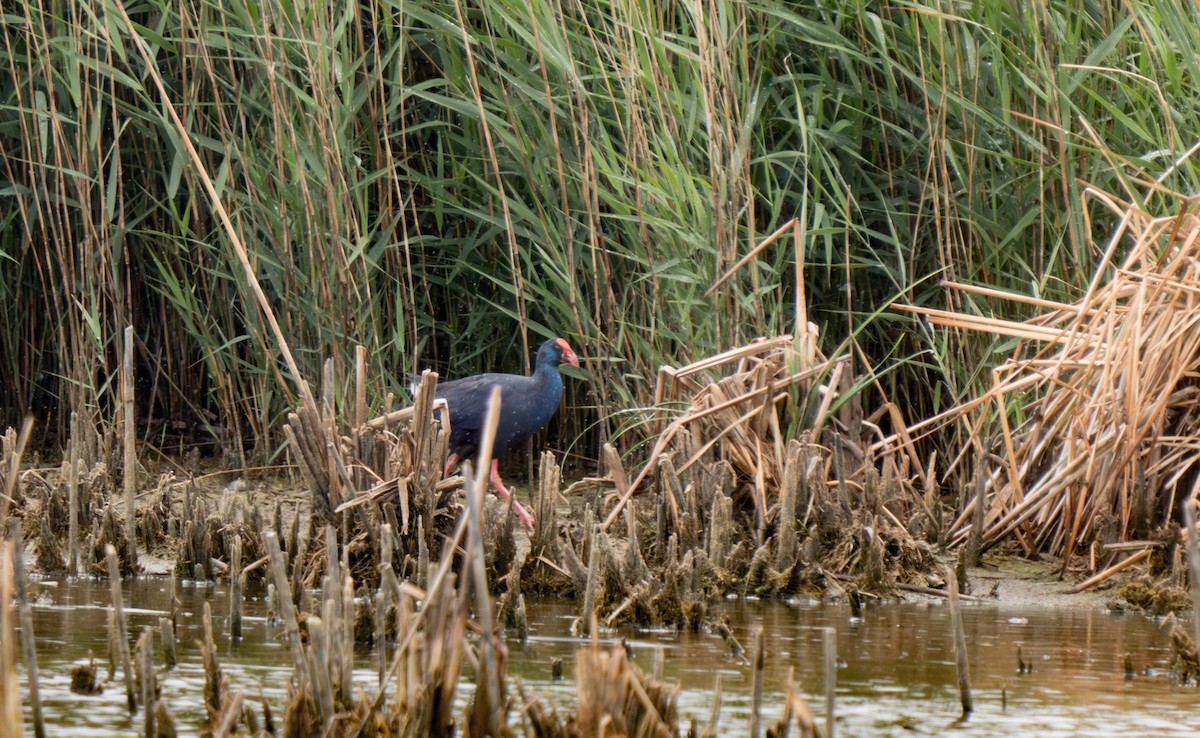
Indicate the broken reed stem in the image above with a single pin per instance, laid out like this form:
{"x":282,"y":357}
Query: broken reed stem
{"x":10,"y":687}
{"x":347,"y":626}
{"x":960,"y":645}
{"x":975,"y":539}
{"x":146,"y":669}
{"x":235,"y":590}
{"x":756,"y":689}
{"x":14,"y":467}
{"x":167,"y":635}
{"x":360,"y":386}
{"x":25,"y":615}
{"x":174,"y":602}
{"x":318,"y":653}
{"x":283,"y":591}
{"x":73,"y":498}
{"x":587,"y":617}
{"x":120,"y":633}
{"x":489,"y":681}
{"x":229,"y":718}
{"x":130,"y":427}
{"x":1189,"y":520}
{"x":111,"y":621}
{"x":383,"y":597}
{"x":830,"y":679}
{"x":1117,"y":567}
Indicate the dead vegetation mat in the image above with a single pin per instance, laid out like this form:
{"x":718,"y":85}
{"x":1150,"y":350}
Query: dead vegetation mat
{"x":1109,"y":390}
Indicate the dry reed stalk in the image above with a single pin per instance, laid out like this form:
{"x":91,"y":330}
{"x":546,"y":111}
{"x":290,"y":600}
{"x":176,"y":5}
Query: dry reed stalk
{"x":587,"y":617}
{"x":615,"y":698}
{"x":227,"y":725}
{"x":147,"y":681}
{"x":1110,"y":571}
{"x":129,"y":424}
{"x":738,"y":416}
{"x":328,"y":432}
{"x":1113,"y":409}
{"x":960,"y":646}
{"x":25,"y":613}
{"x":383,"y":598}
{"x":486,"y":716}
{"x":284,"y":596}
{"x":166,"y":633}
{"x":360,"y":385}
{"x":830,"y":653}
{"x":319,"y":671}
{"x":545,"y":507}
{"x":216,"y":684}
{"x":791,"y":225}
{"x":11,"y":720}
{"x":120,"y":632}
{"x":73,"y":497}
{"x":347,"y":625}
{"x":714,"y":716}
{"x":14,"y":448}
{"x":796,"y":709}
{"x":235,"y":591}
{"x":758,"y":663}
{"x":1193,"y":553}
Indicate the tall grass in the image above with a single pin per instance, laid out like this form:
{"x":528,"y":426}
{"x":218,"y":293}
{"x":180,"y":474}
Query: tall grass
{"x":415,"y":175}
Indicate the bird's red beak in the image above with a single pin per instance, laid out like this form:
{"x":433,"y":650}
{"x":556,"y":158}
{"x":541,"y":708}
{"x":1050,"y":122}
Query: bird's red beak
{"x":568,"y":355}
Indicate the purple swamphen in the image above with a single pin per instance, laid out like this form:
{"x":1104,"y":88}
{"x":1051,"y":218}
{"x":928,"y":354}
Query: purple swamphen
{"x":526,"y":404}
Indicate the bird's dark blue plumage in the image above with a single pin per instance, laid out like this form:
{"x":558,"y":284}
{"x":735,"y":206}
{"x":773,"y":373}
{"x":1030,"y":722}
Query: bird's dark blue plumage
{"x":526,"y":405}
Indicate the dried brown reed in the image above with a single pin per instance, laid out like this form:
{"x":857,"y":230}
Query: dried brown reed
{"x":796,"y":710}
{"x":771,"y":390}
{"x":740,"y":503}
{"x":429,"y":629}
{"x":11,"y":721}
{"x":1107,"y":387}
{"x":615,"y":698}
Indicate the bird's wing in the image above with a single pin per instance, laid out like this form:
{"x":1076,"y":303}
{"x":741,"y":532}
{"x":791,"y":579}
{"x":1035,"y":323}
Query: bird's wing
{"x":468,"y":398}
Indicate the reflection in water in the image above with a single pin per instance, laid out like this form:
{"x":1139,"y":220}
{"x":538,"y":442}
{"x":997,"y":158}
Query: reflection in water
{"x":898,"y":676}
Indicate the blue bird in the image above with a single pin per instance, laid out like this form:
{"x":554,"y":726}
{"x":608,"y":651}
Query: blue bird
{"x":526,"y":405}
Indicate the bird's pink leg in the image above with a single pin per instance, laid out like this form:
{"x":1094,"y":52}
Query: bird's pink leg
{"x":450,"y":462}
{"x":526,"y":518}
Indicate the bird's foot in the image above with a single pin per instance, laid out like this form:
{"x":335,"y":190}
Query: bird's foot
{"x":523,"y":514}
{"x":498,"y":483}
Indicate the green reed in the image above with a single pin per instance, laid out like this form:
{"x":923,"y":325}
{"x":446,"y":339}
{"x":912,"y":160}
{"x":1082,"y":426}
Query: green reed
{"x":427,"y":177}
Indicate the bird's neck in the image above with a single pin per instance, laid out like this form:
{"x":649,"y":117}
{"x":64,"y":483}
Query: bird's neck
{"x":547,"y":375}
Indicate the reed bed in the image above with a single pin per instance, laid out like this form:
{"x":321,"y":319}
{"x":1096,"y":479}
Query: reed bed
{"x":428,"y":634}
{"x":731,"y":501}
{"x":375,"y":179}
{"x":1096,"y":408}
{"x":723,"y":503}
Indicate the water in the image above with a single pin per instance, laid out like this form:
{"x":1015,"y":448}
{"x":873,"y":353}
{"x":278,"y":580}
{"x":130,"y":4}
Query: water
{"x":896,"y":677}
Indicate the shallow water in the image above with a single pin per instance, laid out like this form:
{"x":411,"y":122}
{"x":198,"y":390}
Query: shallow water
{"x":896,"y":674}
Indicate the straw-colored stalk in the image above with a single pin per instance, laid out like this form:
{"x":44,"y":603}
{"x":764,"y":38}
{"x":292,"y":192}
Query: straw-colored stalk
{"x":1106,"y":386}
{"x":11,"y":723}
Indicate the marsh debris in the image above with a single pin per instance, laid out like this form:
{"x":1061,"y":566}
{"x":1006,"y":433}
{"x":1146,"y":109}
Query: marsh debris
{"x":1150,"y":595}
{"x":85,"y":678}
